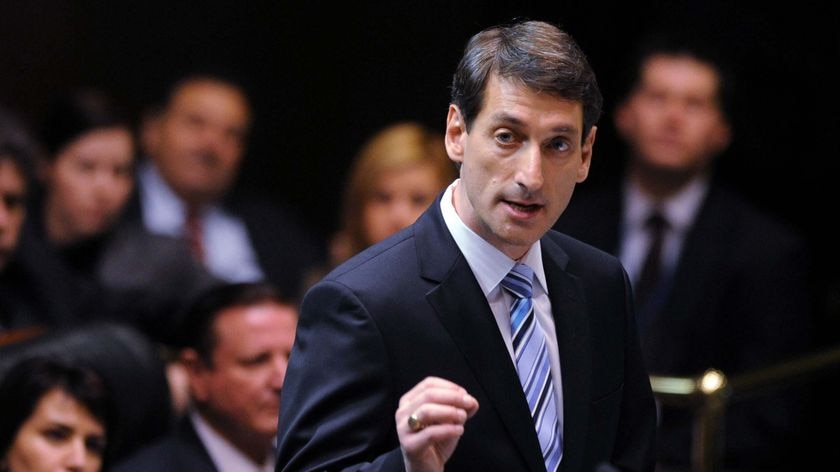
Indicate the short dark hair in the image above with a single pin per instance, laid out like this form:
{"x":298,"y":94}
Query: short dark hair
{"x":196,"y":329}
{"x":673,"y":43}
{"x":222,"y":77}
{"x":535,"y":53}
{"x":17,"y":144}
{"x":29,"y":379}
{"x":76,"y":113}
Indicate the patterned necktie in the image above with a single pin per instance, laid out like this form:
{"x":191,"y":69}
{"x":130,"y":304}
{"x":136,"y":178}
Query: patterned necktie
{"x":531,"y":352}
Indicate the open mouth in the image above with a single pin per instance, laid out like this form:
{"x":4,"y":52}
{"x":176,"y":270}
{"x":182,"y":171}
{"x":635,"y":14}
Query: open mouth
{"x":524,"y":208}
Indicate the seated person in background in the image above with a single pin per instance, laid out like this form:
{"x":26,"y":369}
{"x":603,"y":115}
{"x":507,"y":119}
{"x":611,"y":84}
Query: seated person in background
{"x":73,"y":236}
{"x":53,"y":416}
{"x":235,"y":342}
{"x":396,"y":175}
{"x":130,"y":366}
{"x":22,"y":301}
{"x":194,"y":146}
{"x":732,"y":288}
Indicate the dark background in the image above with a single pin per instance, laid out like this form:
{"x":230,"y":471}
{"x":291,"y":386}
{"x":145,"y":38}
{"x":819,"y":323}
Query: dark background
{"x":323,"y":78}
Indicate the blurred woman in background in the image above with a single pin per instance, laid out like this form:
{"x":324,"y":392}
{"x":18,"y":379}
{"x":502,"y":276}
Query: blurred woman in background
{"x":88,"y":171}
{"x":396,"y":175}
{"x":52,"y":417}
{"x":84,"y":179}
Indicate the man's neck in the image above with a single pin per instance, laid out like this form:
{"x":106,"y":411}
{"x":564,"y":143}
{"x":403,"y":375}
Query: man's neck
{"x":660,"y":184}
{"x":253,"y":445}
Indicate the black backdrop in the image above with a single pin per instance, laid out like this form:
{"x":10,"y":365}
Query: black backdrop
{"x":323,"y":77}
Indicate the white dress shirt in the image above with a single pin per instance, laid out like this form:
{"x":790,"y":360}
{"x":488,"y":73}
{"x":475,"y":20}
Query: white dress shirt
{"x":679,"y":210}
{"x":490,"y":266}
{"x":227,"y":247}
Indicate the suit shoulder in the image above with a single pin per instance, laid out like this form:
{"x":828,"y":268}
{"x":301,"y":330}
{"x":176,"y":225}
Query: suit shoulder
{"x":396,"y":249}
{"x":757,"y":224}
{"x":156,"y":456}
{"x":583,"y":254}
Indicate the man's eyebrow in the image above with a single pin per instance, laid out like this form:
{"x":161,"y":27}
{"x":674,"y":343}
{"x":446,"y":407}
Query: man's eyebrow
{"x":506,"y":118}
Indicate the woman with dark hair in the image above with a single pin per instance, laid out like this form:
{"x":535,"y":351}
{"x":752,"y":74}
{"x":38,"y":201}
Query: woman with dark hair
{"x":84,"y":181}
{"x":53,"y":417}
{"x":87,"y":170}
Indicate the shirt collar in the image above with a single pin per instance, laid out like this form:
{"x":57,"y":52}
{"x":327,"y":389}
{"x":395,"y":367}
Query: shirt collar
{"x":163,"y":211}
{"x":488,"y":264}
{"x":225,"y":455}
{"x":679,"y":209}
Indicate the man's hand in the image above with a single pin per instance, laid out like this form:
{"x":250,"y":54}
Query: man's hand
{"x":430,"y":421}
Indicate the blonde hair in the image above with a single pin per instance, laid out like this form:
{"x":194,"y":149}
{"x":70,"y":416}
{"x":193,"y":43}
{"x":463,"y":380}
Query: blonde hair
{"x":396,"y":147}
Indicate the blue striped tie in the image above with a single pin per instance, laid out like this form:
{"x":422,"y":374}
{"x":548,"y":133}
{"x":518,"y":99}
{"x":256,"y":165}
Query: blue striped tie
{"x":529,"y":347}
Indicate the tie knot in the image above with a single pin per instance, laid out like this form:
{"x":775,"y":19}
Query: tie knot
{"x":519,"y":281}
{"x":656,"y":221}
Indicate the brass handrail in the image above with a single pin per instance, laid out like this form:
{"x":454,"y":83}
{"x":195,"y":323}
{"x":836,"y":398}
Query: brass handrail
{"x":709,"y":394}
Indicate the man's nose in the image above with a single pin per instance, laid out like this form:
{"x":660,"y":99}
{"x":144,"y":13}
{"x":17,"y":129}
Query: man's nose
{"x":529,"y":171}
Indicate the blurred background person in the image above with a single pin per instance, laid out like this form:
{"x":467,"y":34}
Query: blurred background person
{"x":87,"y":172}
{"x":236,"y":341}
{"x":53,"y":417}
{"x":85,"y":178}
{"x":717,"y":283}
{"x":195,"y":143}
{"x":396,"y":175}
{"x":23,"y":303}
{"x":128,"y":363}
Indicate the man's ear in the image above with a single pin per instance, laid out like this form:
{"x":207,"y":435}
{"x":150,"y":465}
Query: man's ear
{"x":197,"y":371}
{"x":456,"y":132}
{"x":721,"y":137}
{"x":586,"y":154}
{"x":623,"y":119}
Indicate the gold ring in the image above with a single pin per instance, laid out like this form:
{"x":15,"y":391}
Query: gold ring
{"x":414,"y":423}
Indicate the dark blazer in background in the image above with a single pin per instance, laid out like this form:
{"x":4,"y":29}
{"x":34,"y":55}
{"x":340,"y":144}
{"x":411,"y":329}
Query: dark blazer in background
{"x":181,"y":451}
{"x":739,"y":300}
{"x":286,"y":249}
{"x":410,"y":307}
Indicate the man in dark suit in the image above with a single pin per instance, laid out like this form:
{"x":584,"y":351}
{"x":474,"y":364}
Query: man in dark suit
{"x":732,"y":291}
{"x":407,"y":357}
{"x":235,"y":342}
{"x":195,"y":145}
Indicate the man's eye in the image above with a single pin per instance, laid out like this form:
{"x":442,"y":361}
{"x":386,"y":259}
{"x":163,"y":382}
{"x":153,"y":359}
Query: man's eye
{"x":12,"y":202}
{"x":504,"y":137}
{"x":559,"y":145}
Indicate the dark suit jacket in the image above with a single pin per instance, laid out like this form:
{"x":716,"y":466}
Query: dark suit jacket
{"x":410,"y":307}
{"x":181,"y":451}
{"x":738,"y":301}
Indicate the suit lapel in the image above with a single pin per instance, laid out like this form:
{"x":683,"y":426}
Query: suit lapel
{"x":464,"y":312}
{"x":572,"y":329}
{"x":191,"y":452}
